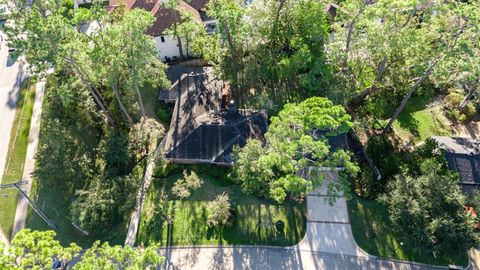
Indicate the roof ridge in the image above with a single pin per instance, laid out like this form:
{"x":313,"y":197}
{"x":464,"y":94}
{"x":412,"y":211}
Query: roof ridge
{"x":227,"y":145}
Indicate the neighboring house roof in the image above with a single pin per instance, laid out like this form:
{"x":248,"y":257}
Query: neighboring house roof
{"x":201,"y":131}
{"x":198,"y":4}
{"x":165,"y":17}
{"x":463,"y":156}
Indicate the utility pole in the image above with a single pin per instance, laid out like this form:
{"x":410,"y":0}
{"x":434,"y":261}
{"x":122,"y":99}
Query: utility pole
{"x":32,"y":204}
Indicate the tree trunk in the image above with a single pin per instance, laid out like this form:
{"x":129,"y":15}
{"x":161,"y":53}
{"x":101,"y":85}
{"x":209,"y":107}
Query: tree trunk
{"x":179,"y":40}
{"x":140,"y":99}
{"x":120,"y":103}
{"x":469,"y":90}
{"x":134,"y":83}
{"x":234,"y":61}
{"x":282,"y":2}
{"x":372,"y":89}
{"x":350,"y":32}
{"x":95,"y":94}
{"x":407,"y":97}
{"x":180,"y":47}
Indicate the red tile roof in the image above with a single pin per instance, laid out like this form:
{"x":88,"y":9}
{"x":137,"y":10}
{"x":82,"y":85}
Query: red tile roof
{"x":164,"y":16}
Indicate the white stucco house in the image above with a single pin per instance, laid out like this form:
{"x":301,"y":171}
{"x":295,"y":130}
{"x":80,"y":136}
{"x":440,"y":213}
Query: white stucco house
{"x":168,"y":46}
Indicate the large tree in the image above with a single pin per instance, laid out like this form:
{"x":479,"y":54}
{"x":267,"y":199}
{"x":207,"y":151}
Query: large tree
{"x":270,"y":48}
{"x":384,"y":52}
{"x":39,"y":250}
{"x":296,"y":142}
{"x":108,"y":54}
{"x":34,"y":250}
{"x":428,"y":210}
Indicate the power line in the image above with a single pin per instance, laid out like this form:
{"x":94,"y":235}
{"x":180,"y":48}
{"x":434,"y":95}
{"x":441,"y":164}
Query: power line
{"x":32,"y":204}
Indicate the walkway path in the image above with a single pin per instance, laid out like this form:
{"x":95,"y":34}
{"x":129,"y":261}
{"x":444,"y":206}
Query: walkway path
{"x":137,"y":212}
{"x":328,"y":244}
{"x":34,"y":132}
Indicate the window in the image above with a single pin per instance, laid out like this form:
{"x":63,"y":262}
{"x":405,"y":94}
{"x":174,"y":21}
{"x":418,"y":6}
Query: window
{"x":162,"y":39}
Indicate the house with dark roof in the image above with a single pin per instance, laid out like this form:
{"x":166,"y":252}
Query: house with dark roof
{"x":168,"y":46}
{"x":205,"y":126}
{"x":463,"y":156}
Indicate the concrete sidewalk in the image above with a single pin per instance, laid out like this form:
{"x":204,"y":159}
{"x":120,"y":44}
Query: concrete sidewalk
{"x":34,"y":132}
{"x":137,"y":211}
{"x":276,"y":258}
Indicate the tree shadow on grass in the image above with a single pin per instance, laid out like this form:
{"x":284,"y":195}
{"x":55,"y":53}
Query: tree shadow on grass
{"x":407,"y":120}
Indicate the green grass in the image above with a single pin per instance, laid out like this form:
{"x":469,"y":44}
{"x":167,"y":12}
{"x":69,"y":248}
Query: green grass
{"x":373,"y":233}
{"x":17,"y":151}
{"x":56,"y":199}
{"x":57,"y":204}
{"x":255,"y":219}
{"x":153,"y":106}
{"x":420,"y":122}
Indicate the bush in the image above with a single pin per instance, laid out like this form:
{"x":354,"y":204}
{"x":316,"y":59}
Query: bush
{"x":163,"y":114}
{"x":220,"y":174}
{"x":383,"y":154}
{"x":219,"y":211}
{"x":452,"y":101}
{"x":232,"y":220}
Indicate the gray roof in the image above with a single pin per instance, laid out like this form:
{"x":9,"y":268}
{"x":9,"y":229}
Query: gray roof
{"x":458,"y":145}
{"x":201,"y":131}
{"x":179,"y":75}
{"x":463,"y":156}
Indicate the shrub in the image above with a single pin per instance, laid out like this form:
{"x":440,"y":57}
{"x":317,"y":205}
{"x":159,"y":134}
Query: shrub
{"x":183,"y":187}
{"x":452,"y":102}
{"x":383,"y":154}
{"x":163,"y":113}
{"x":219,"y":211}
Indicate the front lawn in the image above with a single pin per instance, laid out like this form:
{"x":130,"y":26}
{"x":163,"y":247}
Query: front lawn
{"x":374,"y":234}
{"x":421,"y":119}
{"x":17,"y":151}
{"x":255,"y":218}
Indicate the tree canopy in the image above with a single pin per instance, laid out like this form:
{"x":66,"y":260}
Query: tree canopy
{"x":296,"y":142}
{"x":428,"y":210}
{"x":91,"y":45}
{"x":39,"y":249}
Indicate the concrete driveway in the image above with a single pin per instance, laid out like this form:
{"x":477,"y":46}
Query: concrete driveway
{"x":328,"y":244}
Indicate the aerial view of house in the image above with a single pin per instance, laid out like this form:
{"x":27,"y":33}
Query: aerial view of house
{"x":233,"y":134}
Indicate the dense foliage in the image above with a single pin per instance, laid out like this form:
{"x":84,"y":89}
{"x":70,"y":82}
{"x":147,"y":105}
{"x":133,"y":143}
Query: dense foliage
{"x":297,"y":141}
{"x":39,"y":250}
{"x":428,"y":210}
{"x":95,"y":135}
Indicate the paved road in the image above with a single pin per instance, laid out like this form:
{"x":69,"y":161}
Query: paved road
{"x":10,"y":79}
{"x":33,"y":135}
{"x":11,"y":75}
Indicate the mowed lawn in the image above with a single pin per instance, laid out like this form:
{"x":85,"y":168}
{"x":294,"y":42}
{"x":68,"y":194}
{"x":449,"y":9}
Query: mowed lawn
{"x":420,"y":121}
{"x":17,"y":151}
{"x":255,"y":218}
{"x":373,"y":232}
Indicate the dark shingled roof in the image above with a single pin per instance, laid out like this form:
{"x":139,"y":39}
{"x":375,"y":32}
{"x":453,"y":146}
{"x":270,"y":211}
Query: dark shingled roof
{"x":201,"y":131}
{"x":178,"y":75}
{"x":463,"y":156}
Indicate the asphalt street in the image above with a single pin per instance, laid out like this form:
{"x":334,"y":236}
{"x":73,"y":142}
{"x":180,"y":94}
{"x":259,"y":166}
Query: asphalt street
{"x":11,"y":74}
